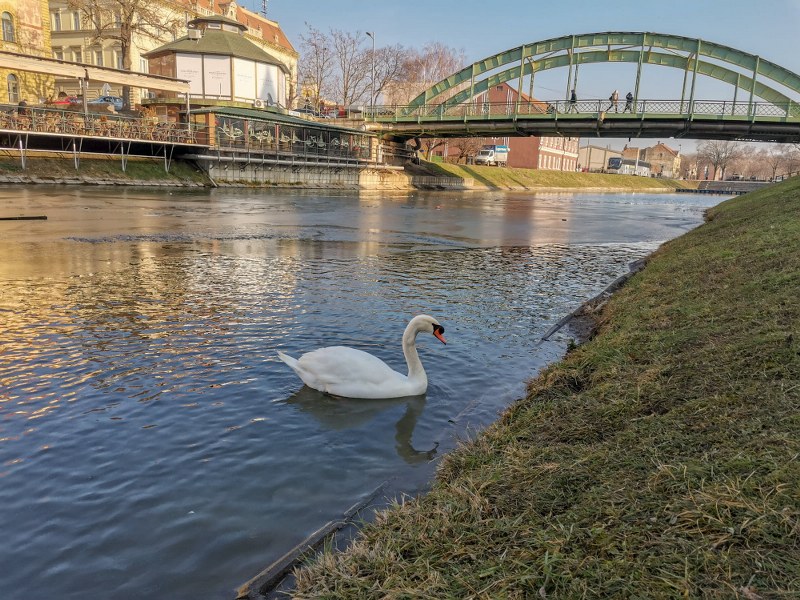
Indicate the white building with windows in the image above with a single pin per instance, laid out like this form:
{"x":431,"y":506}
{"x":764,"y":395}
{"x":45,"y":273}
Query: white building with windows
{"x":221,"y":64}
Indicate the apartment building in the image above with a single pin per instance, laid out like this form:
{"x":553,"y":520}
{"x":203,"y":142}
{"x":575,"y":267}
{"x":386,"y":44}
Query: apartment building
{"x":24,"y":30}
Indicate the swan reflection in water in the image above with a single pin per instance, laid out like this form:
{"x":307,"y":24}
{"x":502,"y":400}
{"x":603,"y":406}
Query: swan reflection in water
{"x":345,"y":413}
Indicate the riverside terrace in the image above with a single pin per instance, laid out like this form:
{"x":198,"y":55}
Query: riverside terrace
{"x":212,"y":134}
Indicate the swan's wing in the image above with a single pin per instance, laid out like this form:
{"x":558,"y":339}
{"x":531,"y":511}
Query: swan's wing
{"x":336,"y":365}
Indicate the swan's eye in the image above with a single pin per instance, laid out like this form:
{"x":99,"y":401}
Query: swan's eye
{"x":438,"y":329}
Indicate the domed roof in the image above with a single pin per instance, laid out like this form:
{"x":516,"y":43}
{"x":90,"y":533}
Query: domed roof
{"x":217,"y":41}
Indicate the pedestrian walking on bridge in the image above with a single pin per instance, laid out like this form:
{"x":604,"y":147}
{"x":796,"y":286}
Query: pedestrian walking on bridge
{"x":573,"y":102}
{"x":628,"y":103}
{"x":614,"y":101}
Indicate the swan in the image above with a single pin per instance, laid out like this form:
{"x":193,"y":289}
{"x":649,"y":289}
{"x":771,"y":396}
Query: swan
{"x":343,"y":371}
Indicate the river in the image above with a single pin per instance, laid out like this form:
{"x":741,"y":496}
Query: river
{"x":151,"y":443}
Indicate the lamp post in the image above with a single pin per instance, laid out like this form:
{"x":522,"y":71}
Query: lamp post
{"x":371,"y":34}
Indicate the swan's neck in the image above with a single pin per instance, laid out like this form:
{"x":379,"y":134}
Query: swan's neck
{"x":415,"y":370}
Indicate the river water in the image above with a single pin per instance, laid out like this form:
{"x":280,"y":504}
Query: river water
{"x":151,"y":443}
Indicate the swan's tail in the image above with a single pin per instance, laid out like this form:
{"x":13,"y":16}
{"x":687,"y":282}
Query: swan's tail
{"x":292,"y":362}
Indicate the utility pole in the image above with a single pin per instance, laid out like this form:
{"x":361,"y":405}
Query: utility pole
{"x":372,"y":86}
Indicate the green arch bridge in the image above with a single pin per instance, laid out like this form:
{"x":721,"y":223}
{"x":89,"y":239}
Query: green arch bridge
{"x":765,"y":104}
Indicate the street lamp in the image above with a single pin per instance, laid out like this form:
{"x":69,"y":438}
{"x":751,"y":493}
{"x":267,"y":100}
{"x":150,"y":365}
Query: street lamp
{"x":372,"y":87}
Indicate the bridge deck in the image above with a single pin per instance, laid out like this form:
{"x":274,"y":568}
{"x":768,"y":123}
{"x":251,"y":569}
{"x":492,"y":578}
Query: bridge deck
{"x":700,"y":120}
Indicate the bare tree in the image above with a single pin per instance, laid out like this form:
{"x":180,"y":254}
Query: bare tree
{"x":316,"y":66}
{"x":353,"y":66}
{"x":391,"y":64}
{"x":429,"y":145}
{"x":719,"y":154}
{"x":466,"y":147}
{"x":422,"y":69}
{"x":792,"y":154}
{"x":775,"y":158}
{"x":125,"y":20}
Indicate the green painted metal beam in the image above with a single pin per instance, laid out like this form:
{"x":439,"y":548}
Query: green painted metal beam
{"x":662,"y":46}
{"x":706,"y":69}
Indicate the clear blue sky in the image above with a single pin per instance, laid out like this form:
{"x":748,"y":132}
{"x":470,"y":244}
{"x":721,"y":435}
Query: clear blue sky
{"x":768,"y":28}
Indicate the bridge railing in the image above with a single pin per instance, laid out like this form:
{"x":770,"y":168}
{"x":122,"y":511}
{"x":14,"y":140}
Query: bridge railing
{"x":595,"y":108}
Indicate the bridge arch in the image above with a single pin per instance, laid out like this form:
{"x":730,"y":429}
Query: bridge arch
{"x":751,"y":74}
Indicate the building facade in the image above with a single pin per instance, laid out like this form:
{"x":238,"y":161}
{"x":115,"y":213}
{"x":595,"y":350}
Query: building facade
{"x":25,"y":30}
{"x":664,"y":161}
{"x":74,"y":40}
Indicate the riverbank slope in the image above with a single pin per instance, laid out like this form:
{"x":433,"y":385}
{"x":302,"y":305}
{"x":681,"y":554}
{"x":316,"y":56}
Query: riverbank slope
{"x":509,"y":178}
{"x":658,"y":459}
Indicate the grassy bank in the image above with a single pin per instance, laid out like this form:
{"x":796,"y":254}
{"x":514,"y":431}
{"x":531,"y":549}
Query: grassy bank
{"x":661,"y":459}
{"x":139,"y":171}
{"x":510,"y":178}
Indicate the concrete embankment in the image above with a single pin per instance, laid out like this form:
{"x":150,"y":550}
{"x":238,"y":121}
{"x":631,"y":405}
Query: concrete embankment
{"x":62,"y":169}
{"x":659,"y":459}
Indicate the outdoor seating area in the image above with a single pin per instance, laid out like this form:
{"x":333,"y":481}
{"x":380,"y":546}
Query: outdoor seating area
{"x":71,"y":122}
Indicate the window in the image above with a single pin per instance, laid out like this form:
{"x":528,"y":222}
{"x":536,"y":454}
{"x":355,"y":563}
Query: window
{"x":13,"y":89}
{"x":118,"y":59}
{"x":8,"y":27}
{"x":76,"y":21}
{"x":144,"y":66}
{"x":77,"y":55}
{"x":58,"y":54}
{"x":98,"y":58}
{"x":56,"y":21}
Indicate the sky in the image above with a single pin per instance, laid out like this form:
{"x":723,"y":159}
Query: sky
{"x":481,"y":28}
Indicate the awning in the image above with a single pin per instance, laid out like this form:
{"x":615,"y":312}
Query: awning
{"x":61,"y":68}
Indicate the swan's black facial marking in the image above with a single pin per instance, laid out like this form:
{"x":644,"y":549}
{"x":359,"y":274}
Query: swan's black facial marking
{"x":438,"y":330}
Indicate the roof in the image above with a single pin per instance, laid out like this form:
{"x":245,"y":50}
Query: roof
{"x":667,"y":148}
{"x":251,"y":113}
{"x":270,"y":30}
{"x":215,"y":41}
{"x":218,"y":19}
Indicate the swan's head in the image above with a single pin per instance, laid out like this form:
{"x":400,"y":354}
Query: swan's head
{"x":427,"y":324}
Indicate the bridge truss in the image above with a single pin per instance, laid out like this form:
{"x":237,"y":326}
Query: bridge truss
{"x":764,"y":107}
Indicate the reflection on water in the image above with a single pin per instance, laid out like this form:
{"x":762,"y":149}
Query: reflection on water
{"x":347,"y":413}
{"x":152,"y":444}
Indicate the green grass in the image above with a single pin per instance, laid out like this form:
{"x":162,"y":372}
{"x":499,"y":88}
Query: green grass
{"x":660,"y":459}
{"x":512,"y":178}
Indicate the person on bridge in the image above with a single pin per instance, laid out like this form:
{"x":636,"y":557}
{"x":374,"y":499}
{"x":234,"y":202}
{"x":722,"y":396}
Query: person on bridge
{"x":573,"y":102}
{"x":628,"y":103}
{"x":614,"y":101}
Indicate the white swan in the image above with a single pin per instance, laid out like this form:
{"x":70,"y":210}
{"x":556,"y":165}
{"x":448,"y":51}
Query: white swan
{"x":343,"y":371}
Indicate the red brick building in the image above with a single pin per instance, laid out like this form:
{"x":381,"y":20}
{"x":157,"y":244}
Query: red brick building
{"x":548,"y":153}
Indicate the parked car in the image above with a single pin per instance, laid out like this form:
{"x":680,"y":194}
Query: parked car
{"x":115,"y":101}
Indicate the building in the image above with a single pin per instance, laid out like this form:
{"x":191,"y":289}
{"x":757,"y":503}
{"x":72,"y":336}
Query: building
{"x":221,"y":65}
{"x":594,"y":159}
{"x":532,"y":152}
{"x":74,"y":39}
{"x":25,"y":30}
{"x":664,"y":161}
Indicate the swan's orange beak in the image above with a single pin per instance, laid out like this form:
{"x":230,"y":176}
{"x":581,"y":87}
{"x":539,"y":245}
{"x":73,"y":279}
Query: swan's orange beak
{"x":438,"y":333}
